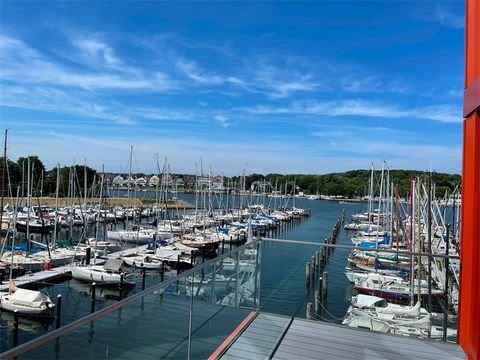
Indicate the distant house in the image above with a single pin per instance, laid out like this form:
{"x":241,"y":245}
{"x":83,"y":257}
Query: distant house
{"x":141,"y":182}
{"x":129,"y":182}
{"x":154,"y":181}
{"x":118,"y":181}
{"x":179,"y":183}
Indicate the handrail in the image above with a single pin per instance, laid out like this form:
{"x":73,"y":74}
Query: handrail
{"x":351,"y":247}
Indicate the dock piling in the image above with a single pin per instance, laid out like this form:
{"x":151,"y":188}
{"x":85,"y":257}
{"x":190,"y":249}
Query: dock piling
{"x":317,"y":301}
{"x":87,"y":255}
{"x":92,"y":301}
{"x":324,"y":286}
{"x":307,"y":275}
{"x":162,"y":275}
{"x":144,"y":273}
{"x":309,"y":311}
{"x":15,"y":328}
{"x":59,"y":311}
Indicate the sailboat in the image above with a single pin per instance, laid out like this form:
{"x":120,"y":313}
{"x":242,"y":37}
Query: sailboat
{"x":108,"y":274}
{"x":26,"y":302}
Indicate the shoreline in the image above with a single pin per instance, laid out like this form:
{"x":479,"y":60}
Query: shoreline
{"x":111,"y":201}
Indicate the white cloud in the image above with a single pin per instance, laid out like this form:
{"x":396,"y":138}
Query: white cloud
{"x":20,"y":63}
{"x":87,"y":105}
{"x":373,"y":84}
{"x":96,"y":51}
{"x":362,"y":108}
{"x":281,"y":82}
{"x":75,"y":103}
{"x":448,"y":18}
{"x":222,"y":120}
{"x":193,"y":72}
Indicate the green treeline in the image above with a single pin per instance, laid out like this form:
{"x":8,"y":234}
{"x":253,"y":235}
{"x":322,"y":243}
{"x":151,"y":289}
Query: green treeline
{"x":354,"y":183}
{"x":44,"y":182}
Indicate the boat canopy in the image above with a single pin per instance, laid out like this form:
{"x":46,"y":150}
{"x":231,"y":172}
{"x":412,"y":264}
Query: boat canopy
{"x":113,"y":264}
{"x":27,"y":297}
{"x":368,"y":301}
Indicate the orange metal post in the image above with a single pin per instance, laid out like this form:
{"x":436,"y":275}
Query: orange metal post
{"x":469,"y":307}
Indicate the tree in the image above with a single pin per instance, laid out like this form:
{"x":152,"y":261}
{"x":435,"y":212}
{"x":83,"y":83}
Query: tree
{"x":37,"y":170}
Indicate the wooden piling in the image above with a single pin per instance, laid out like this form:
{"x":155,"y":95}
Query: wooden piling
{"x":92,"y":300}
{"x":307,"y":275}
{"x":15,"y":328}
{"x":317,"y":301}
{"x":144,"y":272}
{"x":324,"y":287}
{"x":309,"y":311}
{"x":59,"y":311}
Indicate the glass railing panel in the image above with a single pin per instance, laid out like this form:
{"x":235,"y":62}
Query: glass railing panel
{"x":188,"y":316}
{"x":154,"y":326}
{"x":329,"y":294}
{"x":212,"y":322}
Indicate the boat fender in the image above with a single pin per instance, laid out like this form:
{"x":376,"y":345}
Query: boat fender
{"x":47,"y":266}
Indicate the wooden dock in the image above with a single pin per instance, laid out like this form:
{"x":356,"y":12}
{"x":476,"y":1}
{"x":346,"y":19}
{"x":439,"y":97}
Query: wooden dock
{"x":32,"y":279}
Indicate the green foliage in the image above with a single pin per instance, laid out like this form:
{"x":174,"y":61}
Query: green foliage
{"x":44,"y":182}
{"x":354,"y":183}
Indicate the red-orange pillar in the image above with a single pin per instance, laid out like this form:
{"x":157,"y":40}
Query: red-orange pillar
{"x":469,"y":308}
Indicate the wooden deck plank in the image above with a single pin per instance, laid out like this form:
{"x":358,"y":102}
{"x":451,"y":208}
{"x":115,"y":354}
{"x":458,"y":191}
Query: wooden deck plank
{"x":380,"y":346}
{"x":245,"y":354}
{"x":308,"y":339}
{"x":260,"y":338}
{"x":336,"y":333}
{"x":339,"y":350}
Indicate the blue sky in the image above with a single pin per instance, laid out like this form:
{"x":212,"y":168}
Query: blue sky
{"x":285,"y":87}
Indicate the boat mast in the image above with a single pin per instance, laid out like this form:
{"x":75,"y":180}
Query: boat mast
{"x":412,"y":224}
{"x":3,"y":178}
{"x":98,"y":219}
{"x":28,"y":203}
{"x":419,"y":240}
{"x":10,"y":282}
{"x":128,"y":184}
{"x":56,"y":206}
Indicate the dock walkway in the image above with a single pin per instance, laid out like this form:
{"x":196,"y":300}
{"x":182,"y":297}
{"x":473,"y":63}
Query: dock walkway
{"x":31,"y":279}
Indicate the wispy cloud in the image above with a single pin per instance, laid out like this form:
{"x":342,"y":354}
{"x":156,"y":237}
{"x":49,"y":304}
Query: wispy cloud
{"x":222,"y":120}
{"x":281,"y":82}
{"x":75,"y":103}
{"x":21,"y":63}
{"x":447,"y":17}
{"x":446,"y":13}
{"x":373,"y":84}
{"x":355,"y":107}
{"x":96,"y":52}
{"x":87,"y":105}
{"x":193,"y":72}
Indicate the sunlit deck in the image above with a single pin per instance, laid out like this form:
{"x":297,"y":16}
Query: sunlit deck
{"x":277,"y":337}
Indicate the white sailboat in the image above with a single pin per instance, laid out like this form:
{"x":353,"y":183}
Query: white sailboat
{"x":108,"y":274}
{"x":27,"y":302}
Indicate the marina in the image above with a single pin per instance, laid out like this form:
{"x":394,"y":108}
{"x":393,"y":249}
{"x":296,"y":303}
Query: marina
{"x":314,"y":289}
